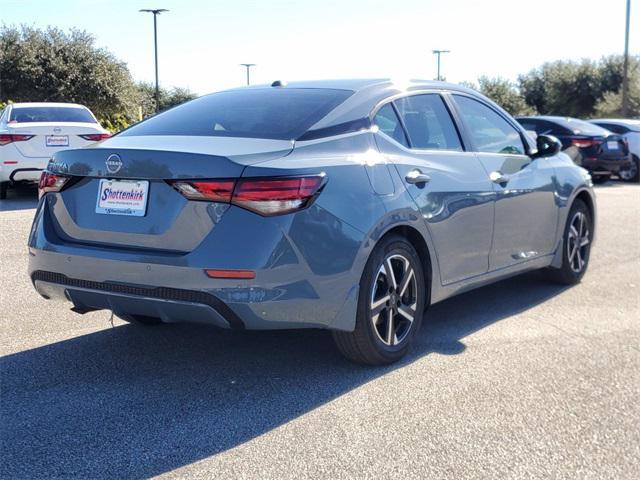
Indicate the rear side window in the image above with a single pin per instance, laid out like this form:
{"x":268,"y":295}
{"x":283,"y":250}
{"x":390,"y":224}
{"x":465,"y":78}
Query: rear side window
{"x":428,"y":122}
{"x":50,"y":114}
{"x":388,"y":122}
{"x":490,"y":132}
{"x":272,"y":113}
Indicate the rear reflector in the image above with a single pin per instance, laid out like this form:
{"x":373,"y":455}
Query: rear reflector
{"x":51,"y":182}
{"x":10,"y":162}
{"x":585,"y":142}
{"x":237,"y":274}
{"x":96,"y":137}
{"x":6,"y":139}
{"x":265,"y":196}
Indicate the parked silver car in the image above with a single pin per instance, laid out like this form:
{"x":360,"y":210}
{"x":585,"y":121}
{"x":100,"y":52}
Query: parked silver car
{"x":350,"y":205}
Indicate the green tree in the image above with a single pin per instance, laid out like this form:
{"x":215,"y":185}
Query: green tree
{"x":579,"y":88}
{"x":51,"y":65}
{"x":168,"y":97}
{"x":505,"y":94}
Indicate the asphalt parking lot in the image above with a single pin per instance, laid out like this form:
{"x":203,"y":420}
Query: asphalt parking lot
{"x":521,"y":379}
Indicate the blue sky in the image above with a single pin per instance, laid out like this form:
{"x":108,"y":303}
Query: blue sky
{"x":202,"y":42}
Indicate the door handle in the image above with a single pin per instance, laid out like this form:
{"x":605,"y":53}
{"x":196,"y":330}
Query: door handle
{"x":416,"y":177}
{"x":498,"y":177}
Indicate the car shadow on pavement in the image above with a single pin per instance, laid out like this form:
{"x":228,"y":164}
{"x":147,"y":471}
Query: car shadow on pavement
{"x":133,"y":402}
{"x":22,"y":197}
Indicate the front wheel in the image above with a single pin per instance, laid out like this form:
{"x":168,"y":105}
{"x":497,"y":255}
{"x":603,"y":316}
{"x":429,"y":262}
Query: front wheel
{"x":390,"y":305}
{"x":576,"y":246}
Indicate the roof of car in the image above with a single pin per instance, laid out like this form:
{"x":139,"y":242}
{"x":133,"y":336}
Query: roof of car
{"x":618,"y":121}
{"x":47,"y":104}
{"x":553,"y":118}
{"x":358,"y":84}
{"x":367,"y":92}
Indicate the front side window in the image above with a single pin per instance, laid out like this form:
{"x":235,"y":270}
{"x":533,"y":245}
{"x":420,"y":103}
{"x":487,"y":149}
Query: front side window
{"x":428,"y":122}
{"x":50,"y":114}
{"x":490,"y":132}
{"x":388,"y":123}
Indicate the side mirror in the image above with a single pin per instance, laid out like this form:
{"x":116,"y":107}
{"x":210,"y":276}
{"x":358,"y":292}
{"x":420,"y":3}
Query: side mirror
{"x":548,"y":145}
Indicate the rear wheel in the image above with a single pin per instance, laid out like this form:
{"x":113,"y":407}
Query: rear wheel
{"x":141,"y":319}
{"x":600,"y":178}
{"x":576,"y":246}
{"x":390,"y":305}
{"x":3,"y":190}
{"x":631,"y":174}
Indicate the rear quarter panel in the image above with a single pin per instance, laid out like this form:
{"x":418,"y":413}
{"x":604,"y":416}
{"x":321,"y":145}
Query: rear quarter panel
{"x":570,"y":181}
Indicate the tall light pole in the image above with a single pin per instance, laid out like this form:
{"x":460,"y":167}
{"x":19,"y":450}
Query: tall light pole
{"x":625,"y":68}
{"x":156,"y":12}
{"x":438,"y":53}
{"x":248,"y":67}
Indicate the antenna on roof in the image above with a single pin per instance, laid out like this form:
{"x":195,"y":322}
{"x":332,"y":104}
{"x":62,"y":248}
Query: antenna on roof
{"x":279,"y":83}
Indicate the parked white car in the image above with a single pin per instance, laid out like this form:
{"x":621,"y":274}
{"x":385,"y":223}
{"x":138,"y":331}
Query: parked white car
{"x":630,"y":130}
{"x":30,"y":133}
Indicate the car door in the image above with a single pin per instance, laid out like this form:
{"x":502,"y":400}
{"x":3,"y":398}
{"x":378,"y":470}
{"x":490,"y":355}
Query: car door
{"x":447,"y":184}
{"x":525,"y":210}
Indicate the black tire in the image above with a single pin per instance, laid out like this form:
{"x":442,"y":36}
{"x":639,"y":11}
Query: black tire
{"x":631,"y":174}
{"x":3,"y":190}
{"x":141,"y":319}
{"x":567,"y":274}
{"x":365,"y":343}
{"x":599,"y":179}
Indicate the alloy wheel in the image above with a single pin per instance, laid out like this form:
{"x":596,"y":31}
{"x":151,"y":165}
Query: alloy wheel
{"x":578,"y":241}
{"x":394,"y":298}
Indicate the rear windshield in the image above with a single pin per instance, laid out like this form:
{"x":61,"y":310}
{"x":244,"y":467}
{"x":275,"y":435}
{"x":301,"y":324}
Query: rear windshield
{"x":580,"y":127}
{"x":273,"y":113}
{"x":50,"y":114}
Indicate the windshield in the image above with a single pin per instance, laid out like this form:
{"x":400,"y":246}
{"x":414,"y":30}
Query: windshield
{"x":50,"y":114}
{"x":272,"y":113}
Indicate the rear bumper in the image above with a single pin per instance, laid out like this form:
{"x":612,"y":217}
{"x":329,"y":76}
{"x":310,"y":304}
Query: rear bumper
{"x":599,"y":165}
{"x":289,"y":291}
{"x":168,"y":304}
{"x":25,"y":169}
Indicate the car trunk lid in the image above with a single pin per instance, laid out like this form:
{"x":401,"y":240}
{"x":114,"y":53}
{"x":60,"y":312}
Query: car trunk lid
{"x":166,"y":220}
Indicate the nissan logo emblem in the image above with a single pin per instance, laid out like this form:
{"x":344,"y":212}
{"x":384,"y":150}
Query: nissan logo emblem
{"x":113,"y":163}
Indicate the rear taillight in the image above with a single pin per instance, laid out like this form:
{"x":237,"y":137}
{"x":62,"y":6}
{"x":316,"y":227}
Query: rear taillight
{"x":96,"y":137}
{"x":265,"y":196}
{"x":51,"y":182}
{"x":276,"y":196}
{"x":5,"y":139}
{"x":585,"y":142}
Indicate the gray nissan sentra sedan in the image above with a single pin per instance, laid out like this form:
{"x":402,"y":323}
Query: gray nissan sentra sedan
{"x":349,"y":205}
